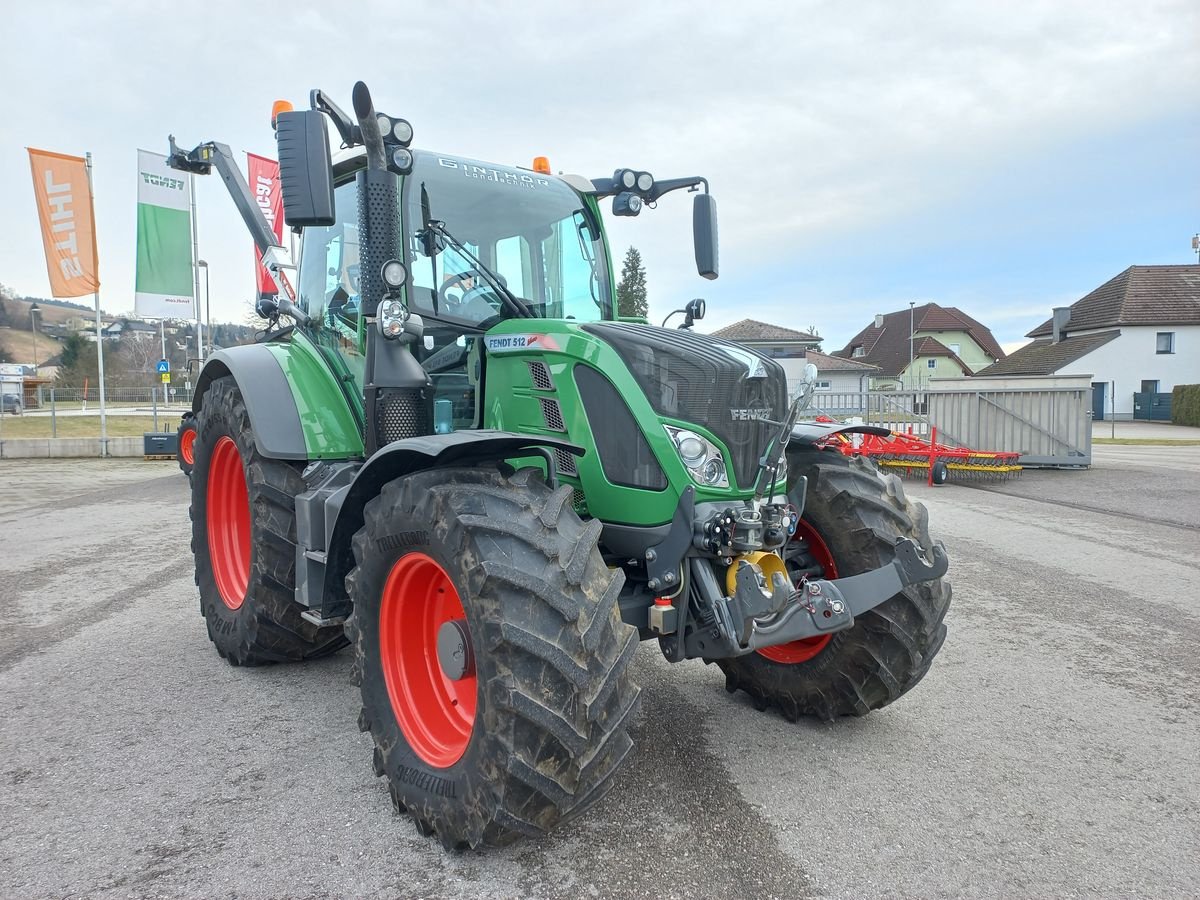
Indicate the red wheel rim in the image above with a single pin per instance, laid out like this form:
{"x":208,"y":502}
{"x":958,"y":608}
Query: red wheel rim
{"x":186,"y":442}
{"x":435,"y":713}
{"x":805,"y":649}
{"x":228,"y":523}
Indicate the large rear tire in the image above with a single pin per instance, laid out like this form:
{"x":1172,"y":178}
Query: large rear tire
{"x":244,"y":541}
{"x":852,"y":517}
{"x":531,"y":734}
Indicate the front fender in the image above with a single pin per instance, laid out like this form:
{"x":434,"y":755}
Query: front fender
{"x":809,"y":433}
{"x":344,"y":508}
{"x":295,"y":405}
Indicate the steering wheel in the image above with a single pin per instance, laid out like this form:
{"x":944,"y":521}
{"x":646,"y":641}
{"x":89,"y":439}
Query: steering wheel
{"x":479,"y":290}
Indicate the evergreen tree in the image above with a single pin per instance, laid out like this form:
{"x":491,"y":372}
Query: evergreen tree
{"x":631,"y":289}
{"x":73,"y":348}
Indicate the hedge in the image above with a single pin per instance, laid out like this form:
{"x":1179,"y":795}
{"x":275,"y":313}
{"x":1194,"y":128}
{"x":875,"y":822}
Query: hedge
{"x":1185,"y":404}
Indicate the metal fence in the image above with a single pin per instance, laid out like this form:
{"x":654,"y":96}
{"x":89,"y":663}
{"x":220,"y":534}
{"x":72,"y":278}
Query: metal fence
{"x":46,"y":396}
{"x":1046,"y":420}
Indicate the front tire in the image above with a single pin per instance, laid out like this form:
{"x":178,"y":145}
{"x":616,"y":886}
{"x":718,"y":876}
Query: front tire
{"x":532,"y":734}
{"x":185,"y":444}
{"x":244,"y":541}
{"x":851,"y":520}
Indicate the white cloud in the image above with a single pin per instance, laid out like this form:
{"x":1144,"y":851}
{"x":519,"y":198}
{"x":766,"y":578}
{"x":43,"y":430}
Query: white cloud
{"x":811,"y":119}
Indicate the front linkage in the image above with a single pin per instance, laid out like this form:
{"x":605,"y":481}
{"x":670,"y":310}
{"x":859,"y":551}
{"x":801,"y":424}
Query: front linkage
{"x":763,"y":607}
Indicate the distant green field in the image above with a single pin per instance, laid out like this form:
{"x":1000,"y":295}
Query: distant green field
{"x":84,"y":426}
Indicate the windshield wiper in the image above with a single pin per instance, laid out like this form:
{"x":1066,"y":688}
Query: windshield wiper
{"x":515,"y":305}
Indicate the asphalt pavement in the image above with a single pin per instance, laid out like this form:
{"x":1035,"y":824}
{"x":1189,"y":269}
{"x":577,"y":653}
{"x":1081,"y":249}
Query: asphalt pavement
{"x":1053,"y":750}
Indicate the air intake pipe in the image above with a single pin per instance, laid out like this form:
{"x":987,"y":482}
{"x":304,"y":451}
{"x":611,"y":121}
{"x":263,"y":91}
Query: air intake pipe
{"x":396,"y":392}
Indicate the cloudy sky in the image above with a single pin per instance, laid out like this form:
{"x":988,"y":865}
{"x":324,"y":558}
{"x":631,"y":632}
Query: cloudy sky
{"x":1004,"y":158}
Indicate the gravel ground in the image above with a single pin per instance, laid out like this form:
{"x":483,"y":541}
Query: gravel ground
{"x":1051,"y":751}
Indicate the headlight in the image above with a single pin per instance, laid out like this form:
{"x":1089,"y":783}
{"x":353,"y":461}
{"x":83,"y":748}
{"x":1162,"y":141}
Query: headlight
{"x":701,"y":457}
{"x":392,"y":316}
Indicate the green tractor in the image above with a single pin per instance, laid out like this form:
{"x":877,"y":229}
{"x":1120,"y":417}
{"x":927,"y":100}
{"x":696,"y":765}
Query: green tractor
{"x":456,"y":458}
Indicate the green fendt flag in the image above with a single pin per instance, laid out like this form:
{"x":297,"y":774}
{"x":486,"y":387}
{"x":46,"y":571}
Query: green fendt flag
{"x":163,"y":288}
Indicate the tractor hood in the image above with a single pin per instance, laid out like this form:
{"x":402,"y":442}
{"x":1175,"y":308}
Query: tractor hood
{"x":726,"y":388}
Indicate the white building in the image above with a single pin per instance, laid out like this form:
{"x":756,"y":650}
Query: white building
{"x":1137,"y":333}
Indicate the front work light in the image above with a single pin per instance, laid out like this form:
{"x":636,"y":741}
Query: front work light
{"x":402,"y":160}
{"x":626,"y":203}
{"x":394,"y":274}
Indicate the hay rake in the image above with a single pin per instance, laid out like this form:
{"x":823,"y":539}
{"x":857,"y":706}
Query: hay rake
{"x":914,"y":457}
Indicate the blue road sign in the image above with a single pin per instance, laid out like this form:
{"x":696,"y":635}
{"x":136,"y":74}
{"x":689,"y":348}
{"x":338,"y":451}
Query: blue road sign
{"x":164,"y":367}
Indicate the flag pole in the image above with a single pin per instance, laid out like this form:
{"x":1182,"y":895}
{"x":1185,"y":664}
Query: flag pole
{"x":99,"y":335}
{"x":196,"y":272}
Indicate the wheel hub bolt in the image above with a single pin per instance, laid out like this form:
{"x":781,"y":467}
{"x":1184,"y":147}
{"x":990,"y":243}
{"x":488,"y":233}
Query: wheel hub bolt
{"x":454,"y":652}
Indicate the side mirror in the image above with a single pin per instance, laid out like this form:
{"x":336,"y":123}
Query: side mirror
{"x":704,"y":234}
{"x":808,"y":386}
{"x":305,"y":170}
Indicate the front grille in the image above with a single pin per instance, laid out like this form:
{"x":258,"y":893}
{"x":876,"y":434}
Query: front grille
{"x":579,"y":501}
{"x":539,"y":374}
{"x":625,"y":454}
{"x":704,"y":380}
{"x":552,"y":414}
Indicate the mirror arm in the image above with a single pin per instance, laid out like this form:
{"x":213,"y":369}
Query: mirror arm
{"x":350,"y":133}
{"x":674,"y":184}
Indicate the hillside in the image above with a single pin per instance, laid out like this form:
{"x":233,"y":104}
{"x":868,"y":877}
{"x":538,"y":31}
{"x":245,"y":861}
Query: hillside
{"x":19,"y":345}
{"x":50,"y":313}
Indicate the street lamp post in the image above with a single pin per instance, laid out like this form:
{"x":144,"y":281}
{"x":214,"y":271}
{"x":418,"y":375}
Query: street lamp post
{"x":207,"y":310}
{"x":34,"y":310}
{"x":911,"y":313}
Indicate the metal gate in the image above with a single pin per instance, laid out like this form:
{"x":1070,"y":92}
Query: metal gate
{"x":1152,"y":407}
{"x":1044,"y":418}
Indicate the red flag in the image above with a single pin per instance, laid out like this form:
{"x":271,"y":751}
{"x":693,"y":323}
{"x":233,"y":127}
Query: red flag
{"x":264,"y":185}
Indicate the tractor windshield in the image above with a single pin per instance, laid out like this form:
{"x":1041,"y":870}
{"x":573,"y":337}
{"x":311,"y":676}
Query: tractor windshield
{"x":529,"y":231}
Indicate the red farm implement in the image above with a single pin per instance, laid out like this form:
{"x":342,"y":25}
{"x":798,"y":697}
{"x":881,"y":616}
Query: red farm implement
{"x":915,"y":457}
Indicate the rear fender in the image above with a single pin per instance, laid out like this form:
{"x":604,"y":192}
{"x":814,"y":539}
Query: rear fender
{"x":295,"y":405}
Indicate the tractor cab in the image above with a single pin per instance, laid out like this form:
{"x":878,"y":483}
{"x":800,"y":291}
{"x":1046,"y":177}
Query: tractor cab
{"x":512,"y":231}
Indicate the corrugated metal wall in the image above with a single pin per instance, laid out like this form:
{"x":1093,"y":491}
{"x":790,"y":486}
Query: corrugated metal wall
{"x":1045,"y":419}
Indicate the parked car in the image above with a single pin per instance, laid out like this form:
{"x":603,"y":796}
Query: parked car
{"x":11,"y":404}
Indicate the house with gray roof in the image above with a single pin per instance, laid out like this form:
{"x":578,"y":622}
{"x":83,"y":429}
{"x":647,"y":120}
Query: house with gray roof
{"x":1139,"y":332}
{"x":794,"y":349}
{"x":770,"y":340}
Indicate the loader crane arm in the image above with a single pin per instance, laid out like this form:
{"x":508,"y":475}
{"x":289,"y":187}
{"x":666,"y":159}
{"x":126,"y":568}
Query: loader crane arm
{"x":275,"y":257}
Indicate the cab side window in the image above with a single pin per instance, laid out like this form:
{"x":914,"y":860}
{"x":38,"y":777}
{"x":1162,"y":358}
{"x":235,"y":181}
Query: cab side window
{"x":329,"y":284}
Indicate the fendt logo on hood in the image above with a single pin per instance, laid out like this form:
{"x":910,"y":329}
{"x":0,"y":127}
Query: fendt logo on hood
{"x":750,"y":415}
